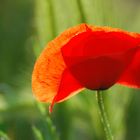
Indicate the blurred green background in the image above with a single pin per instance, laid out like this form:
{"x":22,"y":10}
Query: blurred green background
{"x":25,"y":28}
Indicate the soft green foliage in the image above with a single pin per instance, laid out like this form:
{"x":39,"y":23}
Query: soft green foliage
{"x":48,"y":130}
{"x":37,"y":133}
{"x":26,"y":26}
{"x":3,"y":136}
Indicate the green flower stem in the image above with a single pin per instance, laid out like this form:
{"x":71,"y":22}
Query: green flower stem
{"x":103,"y":116}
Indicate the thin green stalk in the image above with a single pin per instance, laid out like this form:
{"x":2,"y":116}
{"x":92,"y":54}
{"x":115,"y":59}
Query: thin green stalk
{"x":103,"y":116}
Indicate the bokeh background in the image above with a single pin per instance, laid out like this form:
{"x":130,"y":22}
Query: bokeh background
{"x":25,"y":28}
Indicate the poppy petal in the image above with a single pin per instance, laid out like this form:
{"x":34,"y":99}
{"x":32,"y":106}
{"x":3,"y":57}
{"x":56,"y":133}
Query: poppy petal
{"x":101,"y":72}
{"x":68,"y":87}
{"x":49,"y":67}
{"x":47,"y":75}
{"x":97,"y":58}
{"x":83,"y":56}
{"x":91,"y":44}
{"x":131,"y":77}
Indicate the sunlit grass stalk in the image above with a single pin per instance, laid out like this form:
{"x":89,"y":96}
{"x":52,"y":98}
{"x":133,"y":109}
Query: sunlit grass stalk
{"x":49,"y":126}
{"x":103,"y":116}
{"x":37,"y":133}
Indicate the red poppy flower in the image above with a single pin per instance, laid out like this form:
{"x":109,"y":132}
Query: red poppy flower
{"x":86,"y":57}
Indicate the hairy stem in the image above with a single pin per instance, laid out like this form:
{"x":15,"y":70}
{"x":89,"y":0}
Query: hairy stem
{"x":103,"y":116}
